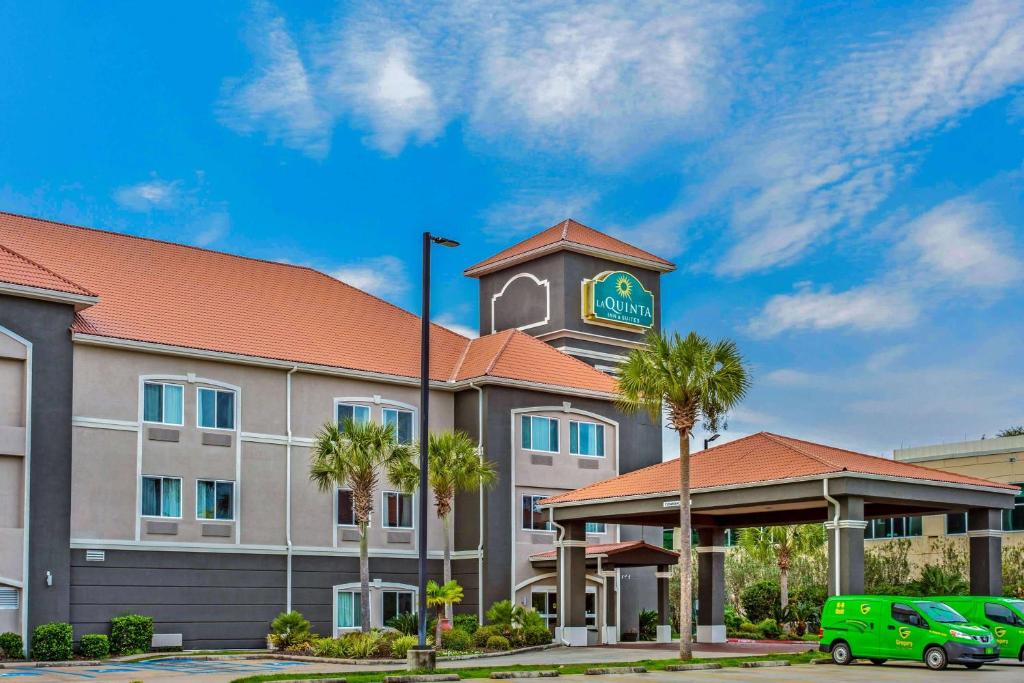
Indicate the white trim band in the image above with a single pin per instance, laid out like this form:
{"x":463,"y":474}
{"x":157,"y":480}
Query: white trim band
{"x":711,"y":548}
{"x":985,"y":533}
{"x":847,"y":524}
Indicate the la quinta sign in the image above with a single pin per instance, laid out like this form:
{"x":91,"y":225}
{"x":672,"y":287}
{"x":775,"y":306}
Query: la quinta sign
{"x":616,"y":298}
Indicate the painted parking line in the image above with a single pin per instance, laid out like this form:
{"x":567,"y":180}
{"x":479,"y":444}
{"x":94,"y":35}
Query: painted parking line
{"x":191,"y":667}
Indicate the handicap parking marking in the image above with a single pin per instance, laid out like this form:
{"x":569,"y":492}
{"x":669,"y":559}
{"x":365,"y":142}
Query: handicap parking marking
{"x":179,"y":665}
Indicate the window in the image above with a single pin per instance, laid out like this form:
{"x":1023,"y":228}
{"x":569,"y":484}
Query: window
{"x":395,"y":603}
{"x":956,"y":523}
{"x":1013,"y":520}
{"x":215,"y":500}
{"x":350,"y":613}
{"x":533,"y":518}
{"x":161,"y":497}
{"x":590,"y":607}
{"x":346,"y":508}
{"x":893,"y":527}
{"x":668,"y":539}
{"x":540,"y":433}
{"x":163,"y":403}
{"x":216,"y":409}
{"x":906,"y":615}
{"x":397,"y":510}
{"x":545,"y":603}
{"x":401,"y":422}
{"x":8,"y":598}
{"x":586,"y":438}
{"x":1001,"y":614}
{"x":595,"y":527}
{"x":355,"y":413}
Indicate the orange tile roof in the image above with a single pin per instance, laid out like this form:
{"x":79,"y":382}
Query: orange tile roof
{"x":567,"y":234}
{"x":177,"y":295}
{"x":759,"y":458}
{"x":611,"y":549}
{"x":15,"y":269}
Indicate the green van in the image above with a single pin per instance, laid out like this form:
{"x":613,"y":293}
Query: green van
{"x":883,"y":627}
{"x":1003,"y":616}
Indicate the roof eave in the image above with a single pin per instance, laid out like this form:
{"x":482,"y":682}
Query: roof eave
{"x":563,"y":245}
{"x":80,"y":301}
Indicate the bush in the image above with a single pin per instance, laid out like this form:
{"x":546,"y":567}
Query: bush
{"x":288,"y":630}
{"x":466,"y":622}
{"x":732,"y":617}
{"x":485,"y":632}
{"x":760,"y":600}
{"x":536,"y":636}
{"x":527,"y":619}
{"x":937,"y":580}
{"x":130,"y":634}
{"x":648,"y":624}
{"x":94,"y":646}
{"x":361,"y":645}
{"x":456,"y":640}
{"x":770,"y":628}
{"x":501,"y":613}
{"x":52,"y":642}
{"x":498,"y":643}
{"x":406,"y":623}
{"x":11,"y":646}
{"x":327,"y":647}
{"x":400,"y":646}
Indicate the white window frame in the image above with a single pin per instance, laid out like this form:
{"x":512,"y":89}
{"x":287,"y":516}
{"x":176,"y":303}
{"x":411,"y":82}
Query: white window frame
{"x":234,"y":411}
{"x":337,"y":502}
{"x":603,"y":439}
{"x":558,"y":430}
{"x":384,"y":510}
{"x":412,"y":420}
{"x":384,"y":590}
{"x":352,"y":404}
{"x":604,"y":528}
{"x":590,"y":618}
{"x":355,"y":589}
{"x":234,"y":490}
{"x":181,"y":503}
{"x":532,"y":496}
{"x":162,"y":386}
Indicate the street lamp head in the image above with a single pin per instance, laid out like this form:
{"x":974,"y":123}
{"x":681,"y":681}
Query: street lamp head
{"x":443,"y":241}
{"x":712,"y":438}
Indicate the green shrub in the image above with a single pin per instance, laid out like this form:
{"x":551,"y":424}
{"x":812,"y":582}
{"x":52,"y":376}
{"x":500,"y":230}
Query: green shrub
{"x":130,"y":634}
{"x":457,"y":640}
{"x":327,"y":647}
{"x":485,"y":632}
{"x":361,"y":645}
{"x":94,"y":646}
{"x":749,"y":635}
{"x":498,"y":643}
{"x":11,"y":646}
{"x":288,"y":630}
{"x":760,"y":600}
{"x":466,"y":622}
{"x":400,"y":646}
{"x":52,"y":642}
{"x":770,"y":628}
{"x":528,"y":618}
{"x":537,"y":636}
{"x":937,"y":580}
{"x":732,"y":617}
{"x":405,"y":623}
{"x":648,"y":624}
{"x":501,"y":613}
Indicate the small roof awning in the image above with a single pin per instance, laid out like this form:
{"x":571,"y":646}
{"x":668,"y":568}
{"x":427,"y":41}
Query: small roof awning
{"x":624,"y":554}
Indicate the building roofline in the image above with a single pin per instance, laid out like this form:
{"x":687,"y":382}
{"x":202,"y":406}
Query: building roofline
{"x":565,"y":245}
{"x":25,"y":291}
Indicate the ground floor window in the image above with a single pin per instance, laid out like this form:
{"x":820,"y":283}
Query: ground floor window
{"x":545,"y":602}
{"x":956,"y":523}
{"x":161,"y":497}
{"x":893,"y":527}
{"x":395,"y":603}
{"x":1013,"y":520}
{"x":349,"y":609}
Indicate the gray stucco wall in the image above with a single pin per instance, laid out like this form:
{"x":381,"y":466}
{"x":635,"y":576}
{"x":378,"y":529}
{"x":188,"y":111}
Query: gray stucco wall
{"x":46,"y":325}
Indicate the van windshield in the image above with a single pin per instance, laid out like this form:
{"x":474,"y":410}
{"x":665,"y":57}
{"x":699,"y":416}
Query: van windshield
{"x":941,"y":613}
{"x":1017,"y":605}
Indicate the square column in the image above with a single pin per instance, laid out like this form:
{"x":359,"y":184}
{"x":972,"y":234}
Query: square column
{"x":710,"y":586}
{"x":846,"y":552}
{"x":664,"y":577}
{"x":572,"y":589}
{"x":985,"y":536}
{"x":610,"y":633}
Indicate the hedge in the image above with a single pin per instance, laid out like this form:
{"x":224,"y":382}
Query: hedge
{"x":130,"y":634}
{"x":52,"y":642}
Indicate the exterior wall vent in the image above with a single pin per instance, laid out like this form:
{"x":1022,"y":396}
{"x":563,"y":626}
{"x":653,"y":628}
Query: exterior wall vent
{"x":95,"y":556}
{"x":8,"y":598}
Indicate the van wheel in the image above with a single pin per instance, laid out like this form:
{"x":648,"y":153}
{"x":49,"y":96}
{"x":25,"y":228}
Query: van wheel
{"x":935,"y":658}
{"x":974,"y":666}
{"x":878,"y":662}
{"x":841,"y":653}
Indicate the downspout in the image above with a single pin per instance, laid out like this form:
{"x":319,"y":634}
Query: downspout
{"x":480,"y":543}
{"x":288,"y":484}
{"x":835,"y":526}
{"x":561,"y":575}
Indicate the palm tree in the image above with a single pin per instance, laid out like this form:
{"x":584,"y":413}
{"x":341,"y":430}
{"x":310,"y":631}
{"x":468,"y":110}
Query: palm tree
{"x":780,"y":544}
{"x":352,"y":455}
{"x":442,"y":597}
{"x":691,"y":379}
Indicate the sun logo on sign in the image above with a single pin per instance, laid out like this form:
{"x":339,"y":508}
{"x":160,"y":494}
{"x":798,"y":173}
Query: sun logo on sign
{"x":904,"y":632}
{"x":623,"y":287}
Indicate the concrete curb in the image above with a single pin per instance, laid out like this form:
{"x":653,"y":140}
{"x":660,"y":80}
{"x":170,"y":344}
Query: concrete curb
{"x":764,"y":664}
{"x":421,"y":678}
{"x":612,"y":670}
{"x":32,"y":664}
{"x":504,"y":675}
{"x":692,"y":667}
{"x":318,"y":680}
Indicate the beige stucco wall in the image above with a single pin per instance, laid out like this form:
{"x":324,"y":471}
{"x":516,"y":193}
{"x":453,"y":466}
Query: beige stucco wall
{"x":13,"y":414}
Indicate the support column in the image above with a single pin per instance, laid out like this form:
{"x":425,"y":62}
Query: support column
{"x":572,"y":585}
{"x":664,"y":577}
{"x":846,"y":557}
{"x":610,"y":633}
{"x":984,"y":533}
{"x":710,"y":586}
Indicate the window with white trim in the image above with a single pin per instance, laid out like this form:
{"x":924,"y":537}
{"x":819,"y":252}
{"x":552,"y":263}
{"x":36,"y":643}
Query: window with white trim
{"x":401,"y":422}
{"x":215,"y":500}
{"x":397,"y":510}
{"x":161,"y":497}
{"x":586,"y":438}
{"x":893,"y":527}
{"x":540,"y":433}
{"x":358,"y":414}
{"x":1013,"y":520}
{"x":545,"y":603}
{"x":346,"y":508}
{"x":395,"y":602}
{"x":163,"y":403}
{"x":216,"y":408}
{"x":534,"y":519}
{"x":8,"y":597}
{"x":350,"y":613}
{"x":595,"y":527}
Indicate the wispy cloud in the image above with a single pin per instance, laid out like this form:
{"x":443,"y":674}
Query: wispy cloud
{"x":383,"y":276}
{"x":148,"y":195}
{"x":448,"y":320}
{"x":865,"y":309}
{"x":180,"y":209}
{"x":532,"y":210}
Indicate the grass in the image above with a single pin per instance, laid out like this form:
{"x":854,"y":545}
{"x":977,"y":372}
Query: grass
{"x":565,"y":669}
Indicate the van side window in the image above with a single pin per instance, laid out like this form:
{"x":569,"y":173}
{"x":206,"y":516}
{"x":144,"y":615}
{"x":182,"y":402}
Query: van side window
{"x":1000,"y":614}
{"x":906,"y":615}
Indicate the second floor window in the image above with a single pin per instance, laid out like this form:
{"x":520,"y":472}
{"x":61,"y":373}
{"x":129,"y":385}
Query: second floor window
{"x":215,"y":500}
{"x":163,"y":403}
{"x":401,"y":422}
{"x":586,"y":438}
{"x":216,"y":409}
{"x":540,"y":433}
{"x":346,"y":508}
{"x":534,"y":519}
{"x":397,"y":510}
{"x":356,"y":413}
{"x":161,"y":497}
{"x":595,"y":527}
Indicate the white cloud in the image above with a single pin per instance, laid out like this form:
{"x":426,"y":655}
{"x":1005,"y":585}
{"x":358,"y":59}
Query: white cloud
{"x":382,"y":276}
{"x":530,"y":211}
{"x":209,"y":229}
{"x":449,"y":321}
{"x":279,"y":98}
{"x":148,"y":195}
{"x":868,"y":308}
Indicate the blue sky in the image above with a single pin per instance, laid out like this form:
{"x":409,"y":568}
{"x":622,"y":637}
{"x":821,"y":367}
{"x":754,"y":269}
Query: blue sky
{"x":840,"y":183}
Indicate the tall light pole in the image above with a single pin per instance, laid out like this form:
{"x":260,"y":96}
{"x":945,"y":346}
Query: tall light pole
{"x":708,"y":441}
{"x":423,"y":658}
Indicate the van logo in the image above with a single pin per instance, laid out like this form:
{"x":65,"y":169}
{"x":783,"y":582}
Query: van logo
{"x":840,"y":608}
{"x":864,"y":609}
{"x":999,"y":631}
{"x":904,"y":632}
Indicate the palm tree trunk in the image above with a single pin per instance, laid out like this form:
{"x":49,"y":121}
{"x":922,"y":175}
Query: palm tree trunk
{"x":784,"y":587}
{"x":447,"y":560}
{"x":685,"y":560}
{"x":437,"y":629}
{"x":364,"y":579}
